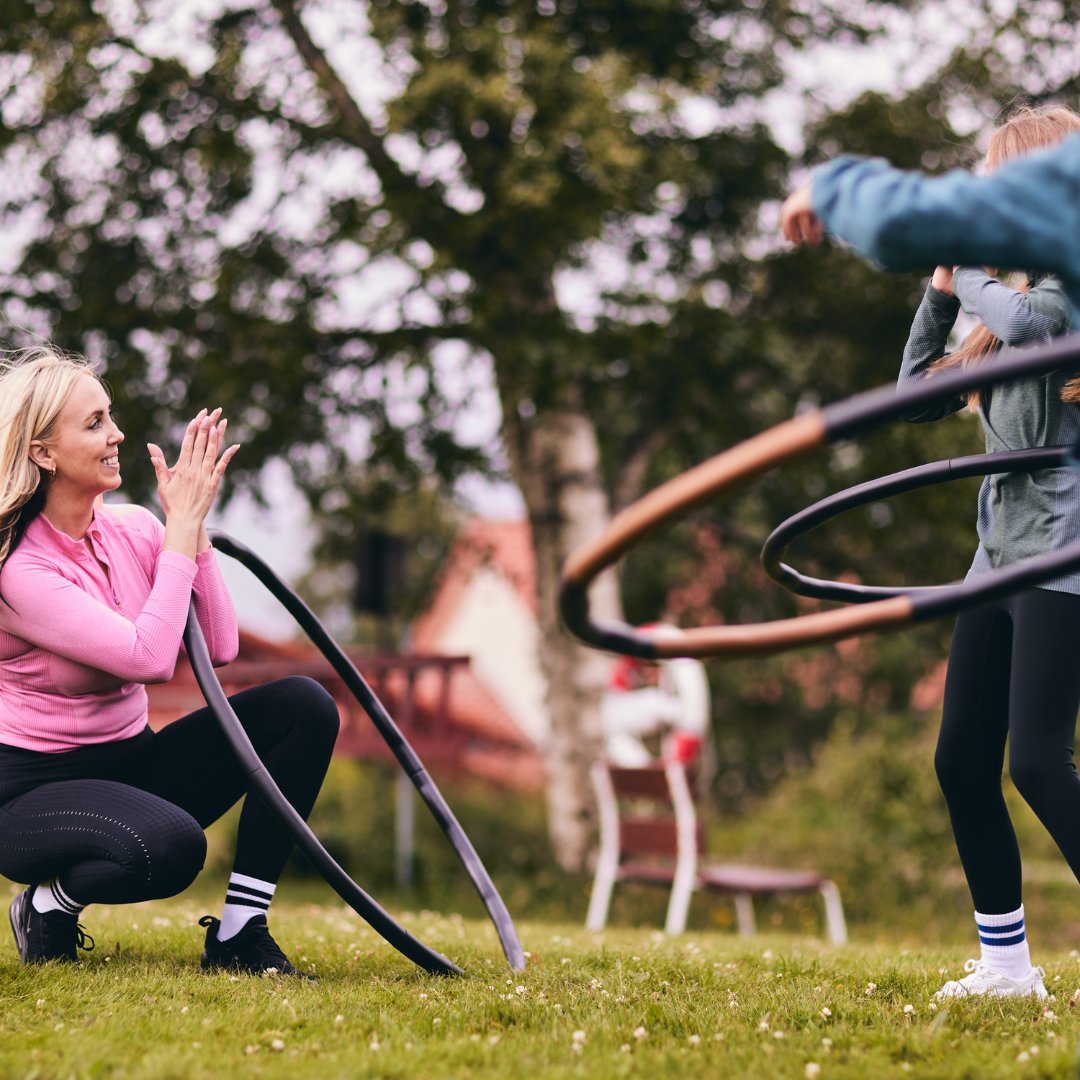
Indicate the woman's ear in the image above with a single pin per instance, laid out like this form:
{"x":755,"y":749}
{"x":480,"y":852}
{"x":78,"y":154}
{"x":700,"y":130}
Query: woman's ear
{"x":40,"y":456}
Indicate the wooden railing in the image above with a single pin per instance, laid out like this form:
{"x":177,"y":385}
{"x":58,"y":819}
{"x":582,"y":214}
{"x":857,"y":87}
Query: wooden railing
{"x":414,"y":688}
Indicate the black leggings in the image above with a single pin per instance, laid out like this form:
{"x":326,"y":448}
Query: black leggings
{"x":1014,"y":670}
{"x":122,"y":822}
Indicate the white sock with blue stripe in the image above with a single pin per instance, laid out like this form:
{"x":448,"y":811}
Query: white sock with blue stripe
{"x":1004,"y":942}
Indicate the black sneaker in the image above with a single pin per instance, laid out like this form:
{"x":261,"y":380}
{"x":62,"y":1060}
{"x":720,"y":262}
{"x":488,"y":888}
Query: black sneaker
{"x":52,"y":936}
{"x":252,"y":950}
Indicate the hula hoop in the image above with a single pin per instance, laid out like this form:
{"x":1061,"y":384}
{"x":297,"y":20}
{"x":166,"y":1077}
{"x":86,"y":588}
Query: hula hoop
{"x":263,"y":783}
{"x":938,"y":472}
{"x":784,"y":443}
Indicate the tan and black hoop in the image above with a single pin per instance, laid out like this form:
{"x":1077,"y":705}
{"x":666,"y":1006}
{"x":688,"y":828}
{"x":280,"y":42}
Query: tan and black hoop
{"x":881,"y":609}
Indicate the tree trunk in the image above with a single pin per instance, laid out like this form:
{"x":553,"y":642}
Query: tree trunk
{"x":556,"y":459}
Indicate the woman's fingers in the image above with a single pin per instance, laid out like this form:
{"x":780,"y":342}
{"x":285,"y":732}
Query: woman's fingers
{"x":219,"y":469}
{"x":157,"y":459}
{"x":188,"y":445}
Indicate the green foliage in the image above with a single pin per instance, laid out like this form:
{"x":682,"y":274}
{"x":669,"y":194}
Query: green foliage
{"x":870,"y":814}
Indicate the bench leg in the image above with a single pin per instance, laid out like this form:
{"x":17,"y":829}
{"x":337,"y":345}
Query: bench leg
{"x":834,"y":913}
{"x":603,"y":884}
{"x":744,"y":913}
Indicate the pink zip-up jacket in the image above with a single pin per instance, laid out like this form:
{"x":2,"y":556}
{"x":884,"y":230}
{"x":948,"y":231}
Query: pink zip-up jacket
{"x":77,"y":643}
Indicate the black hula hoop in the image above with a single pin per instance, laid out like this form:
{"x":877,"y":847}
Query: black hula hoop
{"x":295,"y":825}
{"x":787,"y":442}
{"x":937,"y":472}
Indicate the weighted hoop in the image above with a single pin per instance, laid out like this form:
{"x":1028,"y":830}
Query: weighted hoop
{"x":784,"y":443}
{"x":294,"y":824}
{"x":938,"y":472}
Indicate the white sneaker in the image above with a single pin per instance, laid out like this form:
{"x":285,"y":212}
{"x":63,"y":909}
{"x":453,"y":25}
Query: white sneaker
{"x":985,"y":979}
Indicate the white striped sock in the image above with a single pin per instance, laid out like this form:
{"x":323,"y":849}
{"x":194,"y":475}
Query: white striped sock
{"x":1004,"y":942}
{"x":48,"y":896}
{"x":245,"y":898}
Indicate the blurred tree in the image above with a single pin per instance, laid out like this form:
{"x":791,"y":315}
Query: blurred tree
{"x":214,"y":229}
{"x":204,"y":228}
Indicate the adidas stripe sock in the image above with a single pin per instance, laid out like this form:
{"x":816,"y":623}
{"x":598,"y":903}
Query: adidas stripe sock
{"x":48,"y":896}
{"x":245,"y":898}
{"x":1004,"y":942}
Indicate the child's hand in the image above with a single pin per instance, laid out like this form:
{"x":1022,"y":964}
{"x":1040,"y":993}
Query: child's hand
{"x":798,"y":222}
{"x":942,"y":280}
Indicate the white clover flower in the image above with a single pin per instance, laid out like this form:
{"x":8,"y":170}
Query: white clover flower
{"x":763,"y":1026}
{"x":277,"y":1045}
{"x":578,"y":1036}
{"x":625,"y":1048}
{"x":640,"y":1033}
{"x":827,"y":1043}
{"x":694,"y":1040}
{"x":373,"y":1046}
{"x":826,"y":1012}
{"x":436,"y":1021}
{"x":493,"y":1040}
{"x":909,"y":1009}
{"x":777,"y":1034}
{"x":812,"y":1070}
{"x":932,"y":1006}
{"x":519,"y":989}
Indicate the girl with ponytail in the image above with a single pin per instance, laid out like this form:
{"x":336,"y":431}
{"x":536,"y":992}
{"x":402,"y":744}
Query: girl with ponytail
{"x":1014,"y":664}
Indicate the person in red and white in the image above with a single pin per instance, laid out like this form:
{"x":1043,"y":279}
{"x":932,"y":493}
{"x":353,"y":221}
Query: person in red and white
{"x":670,"y":698}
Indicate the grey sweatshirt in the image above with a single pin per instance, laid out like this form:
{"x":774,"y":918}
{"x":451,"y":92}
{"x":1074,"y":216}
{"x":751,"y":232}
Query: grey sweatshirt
{"x":1026,"y":513}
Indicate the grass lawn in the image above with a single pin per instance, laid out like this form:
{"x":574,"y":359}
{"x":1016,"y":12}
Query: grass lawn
{"x":624,"y":1003}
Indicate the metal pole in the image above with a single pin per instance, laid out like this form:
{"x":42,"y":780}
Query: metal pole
{"x":404,"y":829}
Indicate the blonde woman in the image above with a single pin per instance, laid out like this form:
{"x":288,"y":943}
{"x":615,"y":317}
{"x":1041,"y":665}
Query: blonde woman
{"x":94,"y":806}
{"x":1014,"y":664}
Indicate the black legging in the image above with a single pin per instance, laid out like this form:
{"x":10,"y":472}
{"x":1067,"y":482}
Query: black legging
{"x":122,"y":822}
{"x":1014,"y":670}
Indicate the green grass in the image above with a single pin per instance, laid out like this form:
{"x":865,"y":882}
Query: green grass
{"x":708,"y":1004}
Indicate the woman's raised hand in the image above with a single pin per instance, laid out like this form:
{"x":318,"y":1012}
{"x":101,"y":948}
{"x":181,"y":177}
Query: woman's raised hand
{"x":187,"y":490}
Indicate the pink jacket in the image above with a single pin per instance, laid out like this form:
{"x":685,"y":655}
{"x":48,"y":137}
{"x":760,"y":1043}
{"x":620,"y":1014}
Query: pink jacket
{"x":77,"y":644}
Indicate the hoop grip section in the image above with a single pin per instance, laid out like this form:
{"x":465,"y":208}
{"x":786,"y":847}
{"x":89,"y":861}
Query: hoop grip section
{"x":784,"y":443}
{"x":718,"y":476}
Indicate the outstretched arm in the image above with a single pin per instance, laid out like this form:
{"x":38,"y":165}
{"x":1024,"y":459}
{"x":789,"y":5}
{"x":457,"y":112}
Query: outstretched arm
{"x":1025,"y":215}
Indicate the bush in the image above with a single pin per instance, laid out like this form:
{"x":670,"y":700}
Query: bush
{"x":869,"y":813}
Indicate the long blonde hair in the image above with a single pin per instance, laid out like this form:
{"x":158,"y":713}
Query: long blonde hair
{"x":34,"y":386}
{"x":1024,"y":131}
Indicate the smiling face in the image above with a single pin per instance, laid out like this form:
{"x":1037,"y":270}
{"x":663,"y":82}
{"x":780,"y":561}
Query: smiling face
{"x":83,"y":449}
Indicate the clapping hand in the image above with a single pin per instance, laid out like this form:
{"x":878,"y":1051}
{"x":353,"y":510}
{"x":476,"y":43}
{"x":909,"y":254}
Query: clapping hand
{"x":187,"y":489}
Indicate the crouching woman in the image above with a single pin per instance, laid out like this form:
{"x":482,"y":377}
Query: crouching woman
{"x":94,"y":806}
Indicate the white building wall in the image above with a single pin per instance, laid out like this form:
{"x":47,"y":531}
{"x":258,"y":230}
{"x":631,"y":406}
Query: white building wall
{"x":497,"y":630}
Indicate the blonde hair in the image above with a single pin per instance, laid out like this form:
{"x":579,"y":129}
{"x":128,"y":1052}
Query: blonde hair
{"x":34,"y":387}
{"x":1024,"y":131}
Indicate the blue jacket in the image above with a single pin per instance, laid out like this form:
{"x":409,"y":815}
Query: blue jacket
{"x":1026,"y":215}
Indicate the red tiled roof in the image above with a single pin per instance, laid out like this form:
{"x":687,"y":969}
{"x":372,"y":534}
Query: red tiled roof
{"x":504,"y":545}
